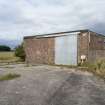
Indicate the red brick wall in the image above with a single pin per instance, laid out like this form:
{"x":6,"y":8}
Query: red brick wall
{"x":97,"y":47}
{"x":39,"y":51}
{"x":92,"y":45}
{"x":83,"y":45}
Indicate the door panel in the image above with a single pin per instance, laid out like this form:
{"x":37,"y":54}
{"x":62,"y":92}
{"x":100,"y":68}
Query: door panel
{"x":66,"y":50}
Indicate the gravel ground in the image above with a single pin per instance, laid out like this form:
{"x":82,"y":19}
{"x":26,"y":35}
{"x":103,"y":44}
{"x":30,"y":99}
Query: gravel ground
{"x":50,"y":85}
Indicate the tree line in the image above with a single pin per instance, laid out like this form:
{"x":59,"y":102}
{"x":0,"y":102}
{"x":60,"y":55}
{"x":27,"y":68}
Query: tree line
{"x":4,"y":48}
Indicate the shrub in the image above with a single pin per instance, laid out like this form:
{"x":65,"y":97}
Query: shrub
{"x":19,"y":52}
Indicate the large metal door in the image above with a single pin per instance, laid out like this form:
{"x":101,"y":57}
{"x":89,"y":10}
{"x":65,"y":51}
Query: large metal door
{"x":66,"y":50}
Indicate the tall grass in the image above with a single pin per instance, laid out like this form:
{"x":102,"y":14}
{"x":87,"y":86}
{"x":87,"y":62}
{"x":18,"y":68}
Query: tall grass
{"x":8,"y":57}
{"x":97,"y":68}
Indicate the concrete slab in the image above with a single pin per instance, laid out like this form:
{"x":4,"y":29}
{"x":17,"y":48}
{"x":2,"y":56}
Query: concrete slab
{"x":51,"y":85}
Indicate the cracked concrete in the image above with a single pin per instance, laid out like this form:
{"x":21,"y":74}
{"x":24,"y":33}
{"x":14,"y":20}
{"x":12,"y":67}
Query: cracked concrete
{"x":51,"y":85}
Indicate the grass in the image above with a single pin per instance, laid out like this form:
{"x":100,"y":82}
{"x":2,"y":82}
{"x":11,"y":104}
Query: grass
{"x":8,"y":57}
{"x":9,"y":77}
{"x":98,"y":68}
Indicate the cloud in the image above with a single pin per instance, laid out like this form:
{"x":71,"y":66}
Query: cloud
{"x":20,"y":18}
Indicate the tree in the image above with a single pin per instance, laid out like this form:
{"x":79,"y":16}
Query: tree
{"x":4,"y":48}
{"x":19,"y":52}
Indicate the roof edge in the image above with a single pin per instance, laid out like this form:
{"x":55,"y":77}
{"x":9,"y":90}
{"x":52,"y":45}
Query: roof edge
{"x":41,"y":35}
{"x":97,"y":33}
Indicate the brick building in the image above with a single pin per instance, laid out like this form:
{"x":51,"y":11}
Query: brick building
{"x":66,"y":48}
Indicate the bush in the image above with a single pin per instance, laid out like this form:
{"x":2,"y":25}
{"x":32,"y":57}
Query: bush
{"x":19,"y":52}
{"x":4,"y":48}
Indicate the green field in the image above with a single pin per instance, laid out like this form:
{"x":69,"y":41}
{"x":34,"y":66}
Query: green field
{"x":8,"y":57}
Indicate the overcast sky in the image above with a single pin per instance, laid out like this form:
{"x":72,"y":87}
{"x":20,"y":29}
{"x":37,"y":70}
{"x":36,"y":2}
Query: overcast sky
{"x":20,"y":18}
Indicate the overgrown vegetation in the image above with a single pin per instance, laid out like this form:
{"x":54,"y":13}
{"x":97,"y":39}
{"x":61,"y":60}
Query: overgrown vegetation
{"x":9,"y":76}
{"x":97,"y":68}
{"x":19,"y":52}
{"x":4,"y":48}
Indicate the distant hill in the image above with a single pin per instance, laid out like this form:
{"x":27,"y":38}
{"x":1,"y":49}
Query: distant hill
{"x":10,"y":43}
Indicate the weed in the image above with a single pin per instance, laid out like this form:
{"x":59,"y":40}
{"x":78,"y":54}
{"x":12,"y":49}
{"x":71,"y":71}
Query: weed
{"x":97,"y":68}
{"x":9,"y":76}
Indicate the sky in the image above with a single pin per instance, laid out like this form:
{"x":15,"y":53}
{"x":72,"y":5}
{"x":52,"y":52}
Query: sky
{"x":20,"y":18}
